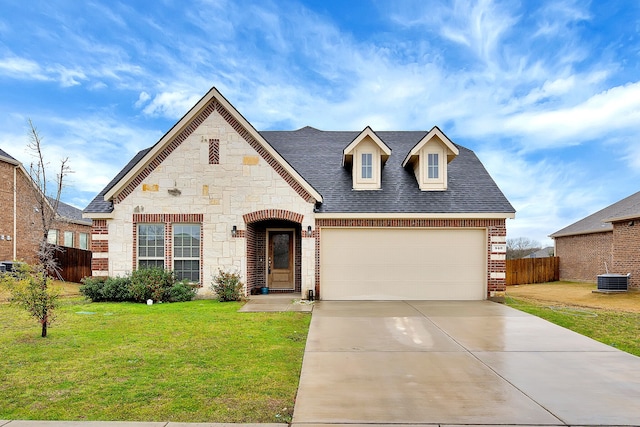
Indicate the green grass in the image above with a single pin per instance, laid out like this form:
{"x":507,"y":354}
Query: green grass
{"x":199,"y":361}
{"x":617,"y":329}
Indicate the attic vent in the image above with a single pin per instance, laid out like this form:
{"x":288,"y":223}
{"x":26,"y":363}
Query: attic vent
{"x":613,"y":282}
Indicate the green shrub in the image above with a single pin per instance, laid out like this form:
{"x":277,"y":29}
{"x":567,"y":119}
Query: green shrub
{"x":227,"y":286}
{"x":117,"y":289}
{"x":92,"y":288}
{"x":151,"y":283}
{"x":182,"y":291}
{"x":147,"y":283}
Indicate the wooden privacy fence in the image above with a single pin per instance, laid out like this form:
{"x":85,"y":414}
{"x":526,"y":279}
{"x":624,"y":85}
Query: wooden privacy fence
{"x":74,"y":263}
{"x":533,"y":270}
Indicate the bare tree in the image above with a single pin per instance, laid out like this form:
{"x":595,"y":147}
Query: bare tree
{"x":520,"y":247}
{"x":32,"y":288}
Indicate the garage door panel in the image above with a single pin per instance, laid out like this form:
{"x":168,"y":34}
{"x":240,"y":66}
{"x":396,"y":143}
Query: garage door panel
{"x":409,"y":264}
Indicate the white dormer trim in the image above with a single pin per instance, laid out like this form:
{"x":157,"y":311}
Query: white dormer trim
{"x":366,"y":155}
{"x":427,"y":158}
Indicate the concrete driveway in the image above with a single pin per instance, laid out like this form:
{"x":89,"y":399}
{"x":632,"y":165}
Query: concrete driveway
{"x":453,"y":363}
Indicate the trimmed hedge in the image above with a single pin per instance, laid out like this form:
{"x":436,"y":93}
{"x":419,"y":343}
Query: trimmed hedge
{"x":152,"y":283}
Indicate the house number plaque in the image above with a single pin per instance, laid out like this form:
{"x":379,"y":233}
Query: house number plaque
{"x":499,"y":249}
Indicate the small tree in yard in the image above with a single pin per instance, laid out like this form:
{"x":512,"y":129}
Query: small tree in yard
{"x":31,"y":288}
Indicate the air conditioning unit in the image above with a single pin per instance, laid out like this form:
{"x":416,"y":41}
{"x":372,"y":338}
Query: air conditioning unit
{"x":613,"y":282}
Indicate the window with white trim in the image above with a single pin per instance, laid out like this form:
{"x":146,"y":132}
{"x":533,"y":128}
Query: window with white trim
{"x":150,"y":245}
{"x":52,"y":237}
{"x":68,"y":239}
{"x":367,"y":165}
{"x":186,"y":252}
{"x":84,"y":241}
{"x":433,"y":166}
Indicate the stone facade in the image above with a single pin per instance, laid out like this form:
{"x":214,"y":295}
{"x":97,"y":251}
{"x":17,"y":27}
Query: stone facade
{"x":20,"y":219}
{"x":217,"y":190}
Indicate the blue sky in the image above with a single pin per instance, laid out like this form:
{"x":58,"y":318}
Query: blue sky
{"x":547,"y":93}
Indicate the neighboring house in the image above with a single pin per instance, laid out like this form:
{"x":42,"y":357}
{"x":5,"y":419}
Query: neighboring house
{"x":541,"y":253}
{"x":20,"y":233}
{"x":347,"y":215}
{"x":606,"y":241}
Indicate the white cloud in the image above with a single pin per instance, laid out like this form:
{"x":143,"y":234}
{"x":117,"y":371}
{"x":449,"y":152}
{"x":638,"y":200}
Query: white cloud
{"x":142,"y":99}
{"x":614,"y":110}
{"x":540,"y":191}
{"x":21,"y":68}
{"x":171,"y":104}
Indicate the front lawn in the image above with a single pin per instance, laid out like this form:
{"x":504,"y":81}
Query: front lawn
{"x":198,"y":361}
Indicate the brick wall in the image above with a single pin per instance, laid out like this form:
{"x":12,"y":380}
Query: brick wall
{"x":626,"y":250}
{"x":28,"y":225}
{"x":583,"y":257}
{"x":76,"y":229}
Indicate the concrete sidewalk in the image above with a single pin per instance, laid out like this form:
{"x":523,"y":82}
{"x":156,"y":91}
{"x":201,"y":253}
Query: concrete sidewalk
{"x":276,"y":302}
{"x":458,"y":363}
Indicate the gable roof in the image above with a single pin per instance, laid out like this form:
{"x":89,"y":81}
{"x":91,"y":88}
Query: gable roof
{"x":541,"y":253}
{"x":434,"y":132}
{"x":347,"y":153}
{"x":314,"y":158}
{"x":70,"y":213}
{"x":147,"y":160}
{"x":317,"y":155}
{"x":600,"y":221}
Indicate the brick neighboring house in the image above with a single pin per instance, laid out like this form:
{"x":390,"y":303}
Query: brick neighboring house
{"x":608,"y":240}
{"x":19,"y":218}
{"x":349,"y":215}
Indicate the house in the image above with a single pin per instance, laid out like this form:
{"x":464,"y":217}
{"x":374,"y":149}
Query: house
{"x":346,"y":215}
{"x":605,"y":241}
{"x":19,"y":216}
{"x":541,"y":253}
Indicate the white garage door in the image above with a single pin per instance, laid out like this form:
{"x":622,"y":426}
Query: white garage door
{"x":402,"y":264}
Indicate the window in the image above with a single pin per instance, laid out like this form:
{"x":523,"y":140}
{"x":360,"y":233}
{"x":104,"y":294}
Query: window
{"x":68,"y":239}
{"x":432,"y":166}
{"x":84,"y":241}
{"x":151,"y":246}
{"x":186,"y":252}
{"x":52,"y":237}
{"x":367,"y":165}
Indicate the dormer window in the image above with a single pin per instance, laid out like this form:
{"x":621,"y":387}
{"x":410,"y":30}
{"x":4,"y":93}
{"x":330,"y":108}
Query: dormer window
{"x":367,"y":166}
{"x":432,"y":166}
{"x":427,"y":159}
{"x":366,"y":156}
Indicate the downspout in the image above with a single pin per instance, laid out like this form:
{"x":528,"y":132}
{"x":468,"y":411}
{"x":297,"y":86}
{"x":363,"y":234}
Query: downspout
{"x":15,"y":210}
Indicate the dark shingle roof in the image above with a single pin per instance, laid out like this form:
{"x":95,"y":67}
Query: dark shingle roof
{"x":628,"y":207}
{"x":317,"y":156}
{"x":70,"y":213}
{"x":7,"y":156}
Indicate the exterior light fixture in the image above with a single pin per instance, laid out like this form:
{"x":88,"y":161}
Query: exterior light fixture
{"x":234,"y":231}
{"x":309,"y":231}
